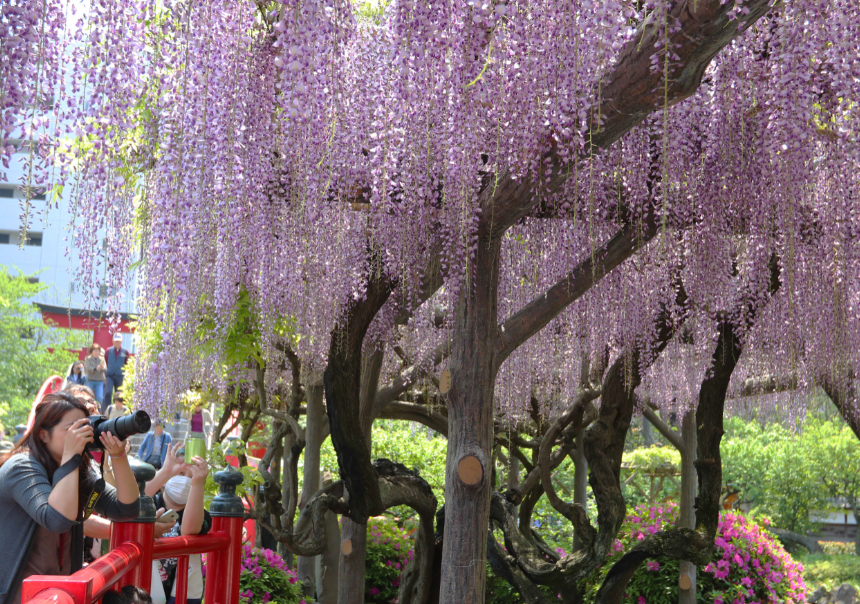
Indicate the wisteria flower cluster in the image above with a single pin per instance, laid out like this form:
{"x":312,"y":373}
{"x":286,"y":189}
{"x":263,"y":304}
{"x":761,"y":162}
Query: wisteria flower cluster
{"x":749,"y":564}
{"x":389,"y":551}
{"x":288,"y":155}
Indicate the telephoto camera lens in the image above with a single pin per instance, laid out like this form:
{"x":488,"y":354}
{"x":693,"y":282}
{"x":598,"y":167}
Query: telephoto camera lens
{"x":121,"y":427}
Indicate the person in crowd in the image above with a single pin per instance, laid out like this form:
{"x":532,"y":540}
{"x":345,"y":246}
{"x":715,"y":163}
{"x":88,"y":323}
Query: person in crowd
{"x":135,"y":595}
{"x":116,"y":358}
{"x":45,"y":484}
{"x":76,"y":374}
{"x":118,"y":409}
{"x":153,"y":449}
{"x":85,"y":394}
{"x":5,"y":445}
{"x":95,"y":368}
{"x":179,"y":486}
{"x":199,"y":423}
{"x":127,"y":595}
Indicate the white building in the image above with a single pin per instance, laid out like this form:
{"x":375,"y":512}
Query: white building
{"x":45,"y":252}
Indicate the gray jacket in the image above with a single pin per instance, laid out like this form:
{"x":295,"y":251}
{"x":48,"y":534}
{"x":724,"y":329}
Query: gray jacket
{"x":24,"y":491}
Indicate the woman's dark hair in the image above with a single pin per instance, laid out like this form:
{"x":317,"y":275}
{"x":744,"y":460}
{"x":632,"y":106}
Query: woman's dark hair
{"x":135,"y":595}
{"x":49,"y":413}
{"x":114,"y":597}
{"x":94,"y":347}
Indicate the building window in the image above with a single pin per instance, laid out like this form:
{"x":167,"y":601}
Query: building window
{"x":32,"y":279}
{"x":105,"y":291}
{"x":34,"y":240}
{"x":7,"y":192}
{"x":4,"y":238}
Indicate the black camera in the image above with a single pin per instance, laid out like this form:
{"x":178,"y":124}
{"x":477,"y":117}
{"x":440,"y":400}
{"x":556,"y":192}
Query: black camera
{"x":121,"y":427}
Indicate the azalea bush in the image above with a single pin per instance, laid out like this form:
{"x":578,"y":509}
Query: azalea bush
{"x":749,"y":565}
{"x":389,"y":550}
{"x":266,"y":578}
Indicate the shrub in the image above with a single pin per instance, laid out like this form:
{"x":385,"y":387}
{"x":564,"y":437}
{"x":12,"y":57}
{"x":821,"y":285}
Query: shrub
{"x":389,"y":550}
{"x":838,"y":547}
{"x":749,"y":565}
{"x":266,"y":578}
{"x":830,"y":570}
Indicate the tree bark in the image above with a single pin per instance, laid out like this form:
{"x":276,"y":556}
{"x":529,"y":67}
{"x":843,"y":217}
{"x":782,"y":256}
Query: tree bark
{"x":647,"y":433}
{"x":507,"y":569}
{"x":353,"y":548}
{"x":342,"y":379}
{"x":789,"y":538}
{"x":311,"y":475}
{"x":330,"y":558}
{"x":473,"y":369}
{"x":513,"y":472}
{"x":689,"y":487}
{"x":580,"y":482}
{"x":289,"y":441}
{"x":353,"y":553}
{"x":839,"y":386}
{"x":682,"y":543}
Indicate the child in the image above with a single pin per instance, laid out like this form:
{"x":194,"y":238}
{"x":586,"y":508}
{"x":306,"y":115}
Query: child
{"x":128,"y":595}
{"x":118,"y":408}
{"x":183,"y":486}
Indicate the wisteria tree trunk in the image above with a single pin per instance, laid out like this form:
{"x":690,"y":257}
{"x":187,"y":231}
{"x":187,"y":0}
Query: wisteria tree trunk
{"x":689,"y":488}
{"x":330,"y":561}
{"x":306,"y":566}
{"x":289,"y":441}
{"x":470,"y":431}
{"x":353,"y":546}
{"x":580,"y":481}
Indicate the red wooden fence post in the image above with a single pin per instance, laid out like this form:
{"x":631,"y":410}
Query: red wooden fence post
{"x":223,"y":567}
{"x":140,"y":531}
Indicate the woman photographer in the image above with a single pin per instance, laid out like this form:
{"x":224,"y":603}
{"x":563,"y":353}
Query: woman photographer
{"x":45,"y":483}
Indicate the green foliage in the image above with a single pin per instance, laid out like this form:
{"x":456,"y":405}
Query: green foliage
{"x":30,"y":350}
{"x":499,"y":591}
{"x":836,"y":450}
{"x":837,"y":548}
{"x":830,"y":570}
{"x":640,"y":462}
{"x":216,"y":458}
{"x":389,"y":550}
{"x":404,"y":443}
{"x":653,"y":458}
{"x":776,"y":469}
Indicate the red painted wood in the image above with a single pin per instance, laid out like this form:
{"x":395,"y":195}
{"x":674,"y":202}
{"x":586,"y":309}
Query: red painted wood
{"x":182,"y":580}
{"x":172,"y":547}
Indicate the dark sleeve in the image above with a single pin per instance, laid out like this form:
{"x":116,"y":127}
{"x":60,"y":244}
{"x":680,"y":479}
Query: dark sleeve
{"x":113,"y":509}
{"x":27,"y":481}
{"x":207,"y":523}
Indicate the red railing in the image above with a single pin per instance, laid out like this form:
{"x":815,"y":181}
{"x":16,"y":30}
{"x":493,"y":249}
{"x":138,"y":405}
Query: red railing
{"x":134,"y":547}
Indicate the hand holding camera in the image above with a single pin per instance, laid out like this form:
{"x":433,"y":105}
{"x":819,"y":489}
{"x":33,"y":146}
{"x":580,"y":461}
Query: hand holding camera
{"x":174,"y":463}
{"x":112,"y":445}
{"x":199,"y":471}
{"x":78,"y":438}
{"x":119,"y":427}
